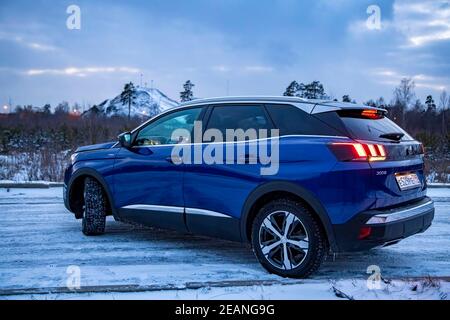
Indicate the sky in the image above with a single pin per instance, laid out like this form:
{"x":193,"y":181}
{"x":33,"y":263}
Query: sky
{"x":225,"y":47}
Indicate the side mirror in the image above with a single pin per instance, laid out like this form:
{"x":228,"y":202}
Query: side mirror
{"x":125,"y":140}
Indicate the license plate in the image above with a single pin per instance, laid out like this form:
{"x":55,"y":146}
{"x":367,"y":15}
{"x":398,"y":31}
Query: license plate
{"x":407,"y":181}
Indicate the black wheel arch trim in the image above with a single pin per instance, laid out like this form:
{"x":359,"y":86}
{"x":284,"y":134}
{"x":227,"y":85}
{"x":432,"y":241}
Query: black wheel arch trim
{"x":96,"y":175}
{"x":289,"y":187}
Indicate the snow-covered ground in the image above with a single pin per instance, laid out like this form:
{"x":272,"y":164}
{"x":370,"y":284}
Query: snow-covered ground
{"x":42,"y":245}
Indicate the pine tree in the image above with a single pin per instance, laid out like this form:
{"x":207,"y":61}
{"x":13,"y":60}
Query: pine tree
{"x":187,"y":94}
{"x":429,"y":102}
{"x":47,"y":109}
{"x":292,"y":89}
{"x":346,"y":98}
{"x":313,"y":90}
{"x":304,"y":91}
{"x":127,"y":96}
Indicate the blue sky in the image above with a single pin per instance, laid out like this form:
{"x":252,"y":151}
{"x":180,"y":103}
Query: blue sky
{"x":256,"y":47}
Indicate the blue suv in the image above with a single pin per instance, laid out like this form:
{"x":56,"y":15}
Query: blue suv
{"x":348,"y":179}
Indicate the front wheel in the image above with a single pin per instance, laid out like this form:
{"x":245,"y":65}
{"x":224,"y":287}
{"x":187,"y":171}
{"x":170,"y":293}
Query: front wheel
{"x":287,"y":239}
{"x":94,"y":210}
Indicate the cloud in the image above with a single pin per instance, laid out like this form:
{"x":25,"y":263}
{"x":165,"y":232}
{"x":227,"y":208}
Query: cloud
{"x":26,"y":43}
{"x":420,"y":23}
{"x":423,"y":22}
{"x":80,"y":72}
{"x":221,"y":68}
{"x":257,"y":69}
{"x":392,"y":77}
{"x":243,"y":69}
{"x":40,"y":46}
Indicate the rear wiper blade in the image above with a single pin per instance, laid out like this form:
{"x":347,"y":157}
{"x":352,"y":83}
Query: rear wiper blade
{"x":397,"y":136}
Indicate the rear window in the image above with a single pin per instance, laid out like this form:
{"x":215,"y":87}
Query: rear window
{"x":365,"y":128}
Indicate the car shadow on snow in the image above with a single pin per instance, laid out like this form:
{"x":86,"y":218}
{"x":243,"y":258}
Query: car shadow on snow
{"x":393,"y":263}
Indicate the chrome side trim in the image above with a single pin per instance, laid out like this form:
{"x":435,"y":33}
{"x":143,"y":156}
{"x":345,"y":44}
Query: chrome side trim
{"x":206,"y":213}
{"x":172,"y":209}
{"x":246,"y":141}
{"x":399,"y":215}
{"x":155,"y":208}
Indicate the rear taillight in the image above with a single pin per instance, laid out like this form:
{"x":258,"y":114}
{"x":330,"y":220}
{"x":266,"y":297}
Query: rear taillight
{"x":347,"y":151}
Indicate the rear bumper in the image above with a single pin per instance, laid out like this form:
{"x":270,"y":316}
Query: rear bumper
{"x":386,"y":226}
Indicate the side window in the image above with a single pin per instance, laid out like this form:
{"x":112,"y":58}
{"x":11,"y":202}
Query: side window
{"x":159,"y":132}
{"x":238,"y":117}
{"x":293,"y":121}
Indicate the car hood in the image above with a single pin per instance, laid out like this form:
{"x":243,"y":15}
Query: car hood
{"x":99,"y":146}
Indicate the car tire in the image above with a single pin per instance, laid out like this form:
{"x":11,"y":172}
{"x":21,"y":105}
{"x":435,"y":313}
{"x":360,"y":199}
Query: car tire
{"x":94,"y":210}
{"x":303,"y":242}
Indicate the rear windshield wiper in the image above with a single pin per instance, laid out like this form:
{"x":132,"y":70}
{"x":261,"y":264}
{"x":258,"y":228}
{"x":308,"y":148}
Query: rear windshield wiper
{"x":396,"y":136}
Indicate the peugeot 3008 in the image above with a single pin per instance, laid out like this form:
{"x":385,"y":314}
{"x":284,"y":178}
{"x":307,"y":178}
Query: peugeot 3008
{"x":348,"y":179}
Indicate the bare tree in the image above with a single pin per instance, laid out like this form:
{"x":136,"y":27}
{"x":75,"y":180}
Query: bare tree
{"x":403,"y":96}
{"x":444,"y":103}
{"x":404,"y":93}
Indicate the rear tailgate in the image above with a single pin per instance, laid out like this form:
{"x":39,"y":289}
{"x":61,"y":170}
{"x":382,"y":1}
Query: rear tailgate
{"x":397,"y":177}
{"x":400,"y":178}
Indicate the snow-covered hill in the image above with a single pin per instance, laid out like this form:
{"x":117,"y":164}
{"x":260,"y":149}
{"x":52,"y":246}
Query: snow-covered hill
{"x":146,"y":102}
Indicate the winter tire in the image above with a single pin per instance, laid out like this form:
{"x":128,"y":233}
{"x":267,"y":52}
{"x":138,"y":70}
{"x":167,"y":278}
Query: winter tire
{"x":94,"y":210}
{"x":287,"y":239}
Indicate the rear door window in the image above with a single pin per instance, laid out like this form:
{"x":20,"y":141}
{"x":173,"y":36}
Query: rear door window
{"x":294,"y":121}
{"x":238,"y":117}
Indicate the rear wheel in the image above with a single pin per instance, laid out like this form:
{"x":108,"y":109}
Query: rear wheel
{"x":288,"y":240}
{"x":94,"y":209}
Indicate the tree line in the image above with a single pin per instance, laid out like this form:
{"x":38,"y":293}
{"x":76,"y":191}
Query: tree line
{"x":50,"y":132}
{"x":427,"y":121}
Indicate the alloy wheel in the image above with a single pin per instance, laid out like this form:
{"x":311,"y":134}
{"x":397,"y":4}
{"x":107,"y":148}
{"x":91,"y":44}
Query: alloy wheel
{"x":283,"y":240}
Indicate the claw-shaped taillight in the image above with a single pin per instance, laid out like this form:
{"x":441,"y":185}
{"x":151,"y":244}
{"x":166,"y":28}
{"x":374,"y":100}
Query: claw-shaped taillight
{"x":349,"y":151}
